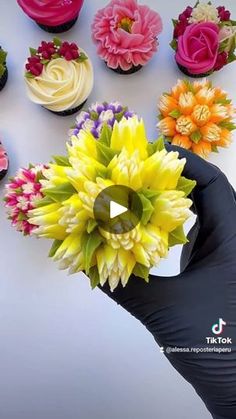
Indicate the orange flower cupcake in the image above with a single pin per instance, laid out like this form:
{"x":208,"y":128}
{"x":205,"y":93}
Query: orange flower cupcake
{"x":197,"y":116}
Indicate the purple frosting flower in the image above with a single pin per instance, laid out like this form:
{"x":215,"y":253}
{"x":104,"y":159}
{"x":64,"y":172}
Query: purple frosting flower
{"x":98,"y":115}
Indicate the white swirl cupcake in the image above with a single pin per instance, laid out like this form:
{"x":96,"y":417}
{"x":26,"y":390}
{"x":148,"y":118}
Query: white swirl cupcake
{"x":59,"y":77}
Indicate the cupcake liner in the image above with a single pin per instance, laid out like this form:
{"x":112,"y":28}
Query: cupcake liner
{"x":3,"y":173}
{"x":3,"y":79}
{"x":69,"y":111}
{"x":195,"y":76}
{"x":58,"y":29}
{"x":132,"y":70}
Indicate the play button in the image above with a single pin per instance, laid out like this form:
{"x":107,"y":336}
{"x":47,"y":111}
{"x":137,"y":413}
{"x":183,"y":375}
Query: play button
{"x":118,"y":209}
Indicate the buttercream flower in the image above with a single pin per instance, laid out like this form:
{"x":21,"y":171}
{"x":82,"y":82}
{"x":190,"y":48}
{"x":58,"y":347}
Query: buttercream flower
{"x":72,"y":184}
{"x":204,"y":39}
{"x":223,"y":14}
{"x":99,"y":115}
{"x":4,"y":162}
{"x":198,"y":48}
{"x":34,"y":66}
{"x":202,"y":119}
{"x":46,"y":50}
{"x":22,"y":194}
{"x":204,"y":12}
{"x":69,"y":51}
{"x":126,"y":34}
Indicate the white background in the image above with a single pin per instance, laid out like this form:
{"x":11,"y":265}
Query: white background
{"x":65,"y":351}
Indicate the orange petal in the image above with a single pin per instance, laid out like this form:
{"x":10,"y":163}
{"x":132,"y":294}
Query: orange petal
{"x":180,"y":87}
{"x":211,"y":132}
{"x":182,"y":141}
{"x":206,"y":96}
{"x":203,"y":149}
{"x":201,"y":115}
{"x":168,"y":126}
{"x":219,"y":113}
{"x":225,"y":138}
{"x":167,"y":104}
{"x":187,"y":102}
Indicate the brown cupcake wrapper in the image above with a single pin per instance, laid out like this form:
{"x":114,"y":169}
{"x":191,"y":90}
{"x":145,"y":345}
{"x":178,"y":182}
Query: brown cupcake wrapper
{"x":3,"y":79}
{"x":132,"y":70}
{"x":69,"y":111}
{"x":58,"y":29}
{"x":195,"y":76}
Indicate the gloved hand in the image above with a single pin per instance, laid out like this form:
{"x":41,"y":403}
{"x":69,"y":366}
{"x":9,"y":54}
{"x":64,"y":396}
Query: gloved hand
{"x":180,"y":311}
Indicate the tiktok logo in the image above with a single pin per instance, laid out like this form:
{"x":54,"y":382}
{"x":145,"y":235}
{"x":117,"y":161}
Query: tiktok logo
{"x":218,"y":328}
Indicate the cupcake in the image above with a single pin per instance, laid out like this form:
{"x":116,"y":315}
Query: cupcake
{"x":4,"y":162}
{"x":59,"y":77}
{"x":70,"y":211}
{"x":3,"y":68}
{"x":23,"y":192}
{"x":197,"y":116}
{"x":204,"y":39}
{"x":126,"y":35}
{"x":53,"y":16}
{"x":98,"y":116}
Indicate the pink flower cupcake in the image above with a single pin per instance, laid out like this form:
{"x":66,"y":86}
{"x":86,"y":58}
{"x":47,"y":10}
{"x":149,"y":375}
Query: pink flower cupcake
{"x":204,"y":39}
{"x":126,"y":35}
{"x":52,"y":15}
{"x":4,"y":162}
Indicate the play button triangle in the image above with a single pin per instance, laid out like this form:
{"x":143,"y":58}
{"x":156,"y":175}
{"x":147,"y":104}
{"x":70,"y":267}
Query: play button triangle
{"x":116,"y":209}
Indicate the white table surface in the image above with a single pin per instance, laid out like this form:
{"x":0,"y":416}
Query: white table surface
{"x":65,"y":351}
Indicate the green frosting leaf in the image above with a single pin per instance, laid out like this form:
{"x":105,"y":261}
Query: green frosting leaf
{"x":55,"y":246}
{"x":82,"y":57}
{"x":44,"y":201}
{"x":60,"y":193}
{"x":33,"y":51}
{"x":92,"y":224}
{"x":105,"y":136}
{"x":57,"y":42}
{"x":62,"y":161}
{"x":29,"y":75}
{"x":2,"y":69}
{"x":177,"y":237}
{"x":174,"y":44}
{"x":94,"y":277}
{"x":228,"y":125}
{"x":3,"y":56}
{"x":105,"y":154}
{"x":91,"y":242}
{"x":148,"y":209}
{"x":175,"y":114}
{"x":141,"y":271}
{"x":186,"y":185}
{"x":196,"y":136}
{"x":214,"y":148}
{"x":158,"y":145}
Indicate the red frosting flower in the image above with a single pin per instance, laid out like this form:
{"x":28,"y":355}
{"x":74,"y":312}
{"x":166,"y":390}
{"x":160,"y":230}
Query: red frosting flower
{"x":224,"y":14}
{"x":34,"y":66}
{"x":221,"y":61}
{"x":46,"y":49}
{"x":69,"y":51}
{"x":198,"y":47}
{"x":186,"y":14}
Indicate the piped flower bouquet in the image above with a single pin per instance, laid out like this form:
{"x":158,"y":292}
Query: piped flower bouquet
{"x":204,"y":39}
{"x":57,"y":202}
{"x":197,"y":116}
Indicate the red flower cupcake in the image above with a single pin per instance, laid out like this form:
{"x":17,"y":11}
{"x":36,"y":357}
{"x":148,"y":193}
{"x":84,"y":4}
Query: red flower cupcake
{"x":204,"y":39}
{"x":52,"y":15}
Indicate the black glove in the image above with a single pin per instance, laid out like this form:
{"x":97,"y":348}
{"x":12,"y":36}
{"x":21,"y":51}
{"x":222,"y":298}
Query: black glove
{"x":180,"y":311}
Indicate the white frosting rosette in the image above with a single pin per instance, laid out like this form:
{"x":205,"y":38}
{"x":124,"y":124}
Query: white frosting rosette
{"x":63,"y":85}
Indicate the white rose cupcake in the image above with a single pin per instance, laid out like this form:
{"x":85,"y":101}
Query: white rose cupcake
{"x":59,"y":77}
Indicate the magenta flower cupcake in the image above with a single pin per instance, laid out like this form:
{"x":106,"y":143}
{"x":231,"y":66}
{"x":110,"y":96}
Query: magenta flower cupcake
{"x":126,"y":35}
{"x":4,"y":162}
{"x":52,"y":15}
{"x":204,"y":39}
